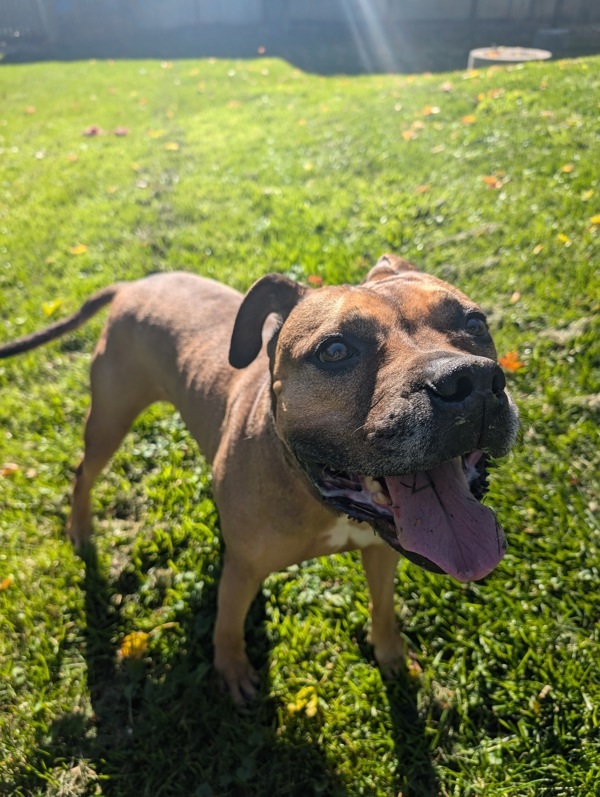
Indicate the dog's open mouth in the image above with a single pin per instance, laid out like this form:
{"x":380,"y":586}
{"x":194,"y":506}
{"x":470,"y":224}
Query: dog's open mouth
{"x":433,"y":517}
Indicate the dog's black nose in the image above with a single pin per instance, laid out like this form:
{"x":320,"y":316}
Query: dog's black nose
{"x":452,"y":380}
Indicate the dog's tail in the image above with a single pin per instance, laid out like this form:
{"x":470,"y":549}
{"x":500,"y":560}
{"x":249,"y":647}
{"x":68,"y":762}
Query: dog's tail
{"x":95,"y":303}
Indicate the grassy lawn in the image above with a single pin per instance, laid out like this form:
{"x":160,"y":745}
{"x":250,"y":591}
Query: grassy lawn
{"x":233,"y":169}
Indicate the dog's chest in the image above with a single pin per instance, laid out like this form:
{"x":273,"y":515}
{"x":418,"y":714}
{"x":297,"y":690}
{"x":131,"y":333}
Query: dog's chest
{"x":346,"y":535}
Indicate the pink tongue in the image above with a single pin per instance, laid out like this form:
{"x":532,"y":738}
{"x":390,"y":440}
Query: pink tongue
{"x":437,"y":517}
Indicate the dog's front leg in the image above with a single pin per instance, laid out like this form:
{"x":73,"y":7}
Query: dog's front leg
{"x":238,"y":585}
{"x":380,"y":563}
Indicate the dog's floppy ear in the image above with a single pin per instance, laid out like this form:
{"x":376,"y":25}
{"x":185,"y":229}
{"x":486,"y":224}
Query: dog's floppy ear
{"x":387,"y":266}
{"x":273,"y":293}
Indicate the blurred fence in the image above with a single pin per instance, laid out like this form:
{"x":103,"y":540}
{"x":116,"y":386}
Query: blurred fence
{"x":52,"y":18}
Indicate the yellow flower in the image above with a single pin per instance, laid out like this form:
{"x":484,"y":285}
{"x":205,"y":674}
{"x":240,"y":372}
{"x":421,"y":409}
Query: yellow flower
{"x":134,"y":645}
{"x":306,"y":699}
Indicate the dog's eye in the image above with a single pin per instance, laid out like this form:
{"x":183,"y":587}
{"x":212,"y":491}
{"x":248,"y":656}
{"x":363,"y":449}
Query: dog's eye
{"x":335,"y":351}
{"x":475,"y":324}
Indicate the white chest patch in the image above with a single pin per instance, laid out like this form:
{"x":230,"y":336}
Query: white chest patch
{"x":348,"y":534}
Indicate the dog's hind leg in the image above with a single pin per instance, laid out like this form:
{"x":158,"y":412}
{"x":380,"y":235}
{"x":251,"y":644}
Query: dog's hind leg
{"x":118,"y":395}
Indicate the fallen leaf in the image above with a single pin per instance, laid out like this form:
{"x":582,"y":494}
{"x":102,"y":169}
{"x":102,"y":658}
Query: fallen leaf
{"x":595,"y":219}
{"x":407,"y":135}
{"x":134,"y":645}
{"x":587,"y":195}
{"x":447,"y":86}
{"x":72,"y":157}
{"x":567,"y":168}
{"x":79,"y":249}
{"x":428,"y":110}
{"x":49,"y":308}
{"x":515,"y":297}
{"x":492,"y":181}
{"x":5,"y":583}
{"x":315,"y":280}
{"x":510,"y":361}
{"x":111,"y":189}
{"x":469,"y":119}
{"x":172,"y":146}
{"x":30,"y":109}
{"x":421,"y":189}
{"x":537,"y":249}
{"x":8,"y":469}
{"x":121,"y":131}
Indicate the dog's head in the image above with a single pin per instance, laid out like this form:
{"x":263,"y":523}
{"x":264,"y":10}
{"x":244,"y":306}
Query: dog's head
{"x":390,"y":397}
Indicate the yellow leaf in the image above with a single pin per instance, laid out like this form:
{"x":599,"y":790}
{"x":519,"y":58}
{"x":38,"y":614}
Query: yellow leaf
{"x":537,"y":249}
{"x":80,"y":249}
{"x":49,"y":308}
{"x":595,"y":219}
{"x":407,"y":135}
{"x":305,"y":699}
{"x":5,"y":583}
{"x":567,"y":168}
{"x":492,"y":181}
{"x":469,"y":119}
{"x":172,"y":146}
{"x":134,"y":645}
{"x":510,"y":361}
{"x":312,"y":705}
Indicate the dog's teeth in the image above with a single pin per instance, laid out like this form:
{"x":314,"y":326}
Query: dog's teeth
{"x":377,"y":496}
{"x":381,"y":499}
{"x":372,"y":484}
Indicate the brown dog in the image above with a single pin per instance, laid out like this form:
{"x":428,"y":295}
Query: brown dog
{"x":375,"y":401}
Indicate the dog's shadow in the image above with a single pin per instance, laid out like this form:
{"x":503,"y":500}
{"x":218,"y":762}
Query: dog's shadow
{"x":167,"y":729}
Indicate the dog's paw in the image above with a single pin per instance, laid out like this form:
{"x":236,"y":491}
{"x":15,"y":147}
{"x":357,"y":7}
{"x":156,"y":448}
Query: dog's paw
{"x":391,"y":657}
{"x":239,"y":678}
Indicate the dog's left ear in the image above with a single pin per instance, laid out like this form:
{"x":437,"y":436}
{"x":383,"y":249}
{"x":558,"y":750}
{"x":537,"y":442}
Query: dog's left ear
{"x":387,"y":266}
{"x":271,"y":294}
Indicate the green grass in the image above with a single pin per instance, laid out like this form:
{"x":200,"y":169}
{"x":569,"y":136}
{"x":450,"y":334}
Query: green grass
{"x":267,"y":169}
